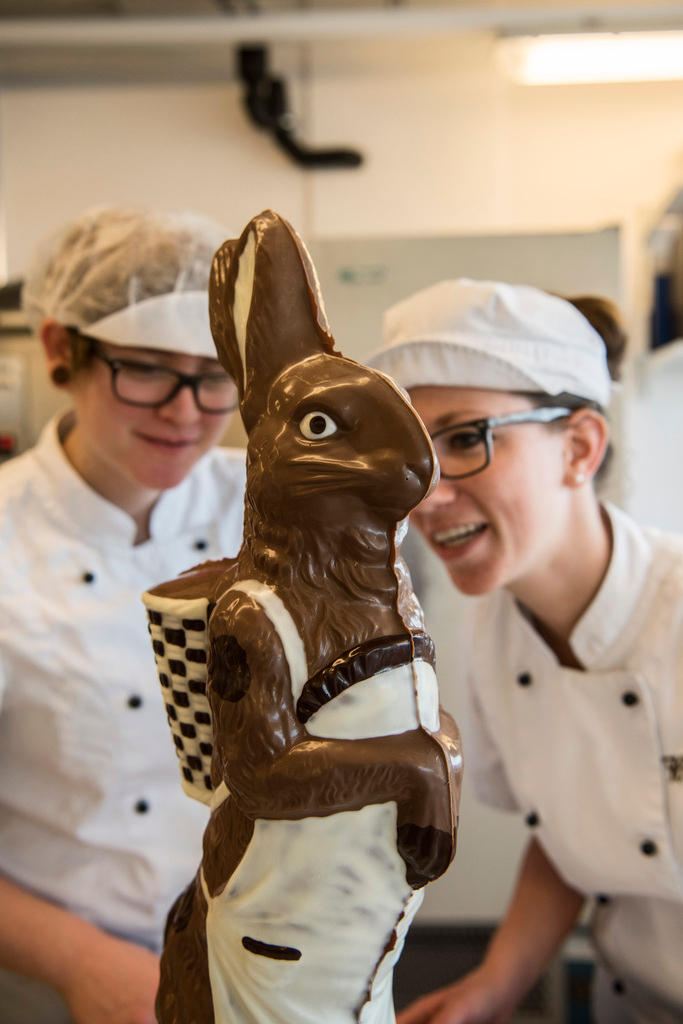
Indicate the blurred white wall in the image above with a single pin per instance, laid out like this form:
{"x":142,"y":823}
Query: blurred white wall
{"x":451,"y":146}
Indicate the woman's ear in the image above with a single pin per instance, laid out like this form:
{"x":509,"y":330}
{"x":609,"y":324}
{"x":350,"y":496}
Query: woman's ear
{"x":56,"y":342}
{"x":586,"y":440}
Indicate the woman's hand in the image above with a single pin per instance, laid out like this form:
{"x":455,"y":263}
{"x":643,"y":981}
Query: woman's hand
{"x":112,"y":982}
{"x":543,"y":910}
{"x":472,"y":1000}
{"x":102,"y":980}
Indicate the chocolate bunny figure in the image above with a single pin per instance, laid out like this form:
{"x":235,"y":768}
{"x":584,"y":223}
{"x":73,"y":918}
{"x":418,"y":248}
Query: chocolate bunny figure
{"x":312,"y":728}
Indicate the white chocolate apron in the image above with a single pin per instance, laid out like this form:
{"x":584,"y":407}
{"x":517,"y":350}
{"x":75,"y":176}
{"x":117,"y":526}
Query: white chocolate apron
{"x":312,"y":921}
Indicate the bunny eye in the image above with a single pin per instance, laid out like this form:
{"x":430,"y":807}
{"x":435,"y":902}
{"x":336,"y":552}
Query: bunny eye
{"x":316,"y":425}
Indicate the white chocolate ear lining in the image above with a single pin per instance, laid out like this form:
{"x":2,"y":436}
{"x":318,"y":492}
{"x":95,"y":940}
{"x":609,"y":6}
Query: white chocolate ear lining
{"x":244,"y":290}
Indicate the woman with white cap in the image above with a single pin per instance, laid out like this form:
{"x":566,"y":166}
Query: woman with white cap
{"x":124,"y":489}
{"x":575,"y":677}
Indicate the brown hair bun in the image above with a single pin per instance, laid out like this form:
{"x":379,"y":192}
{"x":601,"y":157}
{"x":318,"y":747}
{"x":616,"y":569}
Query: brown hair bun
{"x":605,"y":317}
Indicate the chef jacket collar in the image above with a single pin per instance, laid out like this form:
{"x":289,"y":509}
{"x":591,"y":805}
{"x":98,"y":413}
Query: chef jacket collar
{"x":84,"y":513}
{"x":606,"y":627}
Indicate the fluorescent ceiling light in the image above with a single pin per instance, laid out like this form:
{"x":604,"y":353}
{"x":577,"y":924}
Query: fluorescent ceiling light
{"x":598,"y":57}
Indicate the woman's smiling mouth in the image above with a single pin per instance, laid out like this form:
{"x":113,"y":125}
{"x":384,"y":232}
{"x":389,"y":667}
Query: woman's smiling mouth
{"x":165,"y":442}
{"x":457,"y":535}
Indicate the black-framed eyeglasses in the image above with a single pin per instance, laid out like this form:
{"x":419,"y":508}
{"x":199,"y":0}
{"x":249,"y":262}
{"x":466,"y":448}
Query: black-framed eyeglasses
{"x":464,"y":449}
{"x":151,"y":385}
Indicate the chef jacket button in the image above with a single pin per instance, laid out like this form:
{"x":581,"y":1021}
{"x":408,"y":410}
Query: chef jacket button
{"x":602,"y":899}
{"x":648,"y":847}
{"x":141,"y":807}
{"x":524,"y":679}
{"x":618,"y":987}
{"x":630,"y":698}
{"x":201,"y":545}
{"x":532,"y":819}
{"x":134,"y":701}
{"x":88,"y":577}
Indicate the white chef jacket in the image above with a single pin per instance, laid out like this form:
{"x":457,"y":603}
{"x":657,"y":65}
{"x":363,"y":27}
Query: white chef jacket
{"x":92,"y":814}
{"x":594,"y":759}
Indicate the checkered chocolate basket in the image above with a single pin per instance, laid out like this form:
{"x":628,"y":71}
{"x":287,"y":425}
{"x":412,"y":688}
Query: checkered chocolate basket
{"x":179,"y":631}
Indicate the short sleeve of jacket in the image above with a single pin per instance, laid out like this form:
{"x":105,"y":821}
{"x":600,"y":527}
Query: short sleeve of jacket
{"x":484,"y":762}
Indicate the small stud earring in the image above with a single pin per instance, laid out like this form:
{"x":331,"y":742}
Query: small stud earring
{"x":579,"y":478}
{"x":60,"y":374}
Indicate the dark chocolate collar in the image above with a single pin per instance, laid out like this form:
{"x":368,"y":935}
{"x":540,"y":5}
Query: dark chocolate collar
{"x":359,"y":663}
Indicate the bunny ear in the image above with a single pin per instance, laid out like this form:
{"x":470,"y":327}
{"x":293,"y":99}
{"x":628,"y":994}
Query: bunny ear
{"x":220,"y":317}
{"x":265,"y":308}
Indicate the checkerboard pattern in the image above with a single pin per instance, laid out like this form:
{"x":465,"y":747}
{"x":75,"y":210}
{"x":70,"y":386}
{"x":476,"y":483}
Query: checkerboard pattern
{"x":180,"y":642}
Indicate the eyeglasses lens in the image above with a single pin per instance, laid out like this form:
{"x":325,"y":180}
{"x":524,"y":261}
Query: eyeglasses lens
{"x":460,"y":451}
{"x":217,"y":393}
{"x":154,"y":385}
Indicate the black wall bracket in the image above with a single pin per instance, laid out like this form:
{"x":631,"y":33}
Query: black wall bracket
{"x":265,"y":99}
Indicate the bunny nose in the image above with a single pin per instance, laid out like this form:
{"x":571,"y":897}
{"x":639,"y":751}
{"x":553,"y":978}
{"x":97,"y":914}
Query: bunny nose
{"x":423,"y":471}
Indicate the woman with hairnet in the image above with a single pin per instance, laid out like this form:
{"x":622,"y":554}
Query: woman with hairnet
{"x":124,"y":489}
{"x":573,"y":631}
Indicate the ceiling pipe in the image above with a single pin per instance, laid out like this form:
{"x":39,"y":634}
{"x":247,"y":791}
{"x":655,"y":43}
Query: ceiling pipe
{"x":265,"y":100}
{"x":336,"y":23}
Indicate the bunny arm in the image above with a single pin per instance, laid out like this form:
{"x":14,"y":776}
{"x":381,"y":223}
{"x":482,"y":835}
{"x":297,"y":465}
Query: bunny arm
{"x":274,"y":768}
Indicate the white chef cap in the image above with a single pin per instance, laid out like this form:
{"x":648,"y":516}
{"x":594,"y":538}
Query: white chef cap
{"x":128,"y":276}
{"x":484,"y":334}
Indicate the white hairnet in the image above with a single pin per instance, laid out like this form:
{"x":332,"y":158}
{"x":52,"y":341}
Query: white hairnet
{"x":108,"y":264}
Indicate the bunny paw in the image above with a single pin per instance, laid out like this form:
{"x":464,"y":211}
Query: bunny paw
{"x":427,"y":852}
